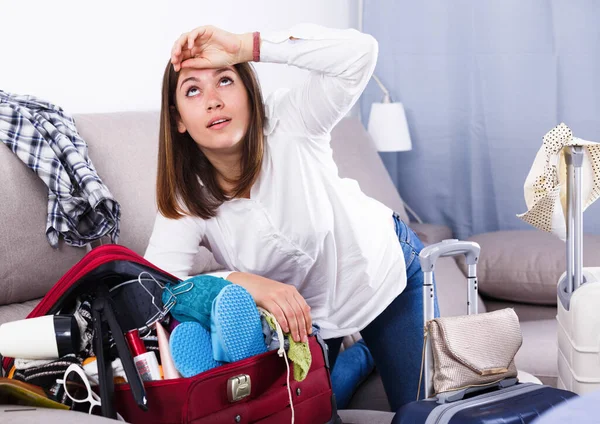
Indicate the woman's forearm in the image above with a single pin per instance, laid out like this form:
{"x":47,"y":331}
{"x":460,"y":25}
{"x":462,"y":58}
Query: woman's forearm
{"x":244,"y":278}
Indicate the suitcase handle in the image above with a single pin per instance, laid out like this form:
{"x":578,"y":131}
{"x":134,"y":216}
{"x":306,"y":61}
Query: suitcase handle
{"x":428,"y":257}
{"x":451,"y":247}
{"x":574,"y":277}
{"x":574,"y":161}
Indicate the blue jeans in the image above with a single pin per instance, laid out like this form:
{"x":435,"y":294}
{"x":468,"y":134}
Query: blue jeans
{"x":395,"y":337}
{"x":353,"y":366}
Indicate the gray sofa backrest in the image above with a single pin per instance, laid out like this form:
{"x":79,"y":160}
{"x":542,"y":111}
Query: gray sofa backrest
{"x":123,"y":148}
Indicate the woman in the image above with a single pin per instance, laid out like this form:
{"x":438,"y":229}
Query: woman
{"x":257,"y":185}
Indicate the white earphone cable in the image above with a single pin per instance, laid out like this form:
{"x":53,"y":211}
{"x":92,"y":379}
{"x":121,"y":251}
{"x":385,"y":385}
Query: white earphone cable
{"x":281,"y":353}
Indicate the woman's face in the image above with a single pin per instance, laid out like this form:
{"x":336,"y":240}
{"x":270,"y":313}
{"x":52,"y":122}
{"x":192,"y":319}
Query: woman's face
{"x":204,"y":96}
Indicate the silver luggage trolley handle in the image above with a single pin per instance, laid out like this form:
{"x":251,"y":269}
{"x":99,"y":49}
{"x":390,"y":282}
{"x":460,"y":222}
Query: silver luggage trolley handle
{"x":428,"y":257}
{"x":574,"y":160}
{"x":574,"y":276}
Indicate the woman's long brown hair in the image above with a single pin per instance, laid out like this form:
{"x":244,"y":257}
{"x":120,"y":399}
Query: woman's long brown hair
{"x":186,"y":183}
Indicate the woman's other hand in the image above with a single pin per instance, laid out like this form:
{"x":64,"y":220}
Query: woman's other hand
{"x":211,"y":47}
{"x":282,"y":300}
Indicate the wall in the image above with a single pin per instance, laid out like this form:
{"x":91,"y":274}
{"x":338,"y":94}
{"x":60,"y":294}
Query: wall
{"x":110,"y":55}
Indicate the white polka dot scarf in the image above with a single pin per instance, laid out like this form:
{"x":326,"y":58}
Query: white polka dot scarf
{"x":546,"y":184}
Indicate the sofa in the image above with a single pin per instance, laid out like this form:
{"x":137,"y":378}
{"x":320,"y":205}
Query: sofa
{"x":123,"y":148}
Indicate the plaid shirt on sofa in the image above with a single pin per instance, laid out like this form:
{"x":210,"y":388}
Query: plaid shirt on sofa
{"x":44,"y":137}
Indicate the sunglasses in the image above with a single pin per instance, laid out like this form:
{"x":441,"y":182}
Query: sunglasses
{"x":77,"y":387}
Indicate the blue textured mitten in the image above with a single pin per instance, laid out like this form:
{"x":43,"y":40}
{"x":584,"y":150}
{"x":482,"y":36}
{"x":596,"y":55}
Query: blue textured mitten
{"x":236,"y":328}
{"x":195,"y":304}
{"x":191,"y":349}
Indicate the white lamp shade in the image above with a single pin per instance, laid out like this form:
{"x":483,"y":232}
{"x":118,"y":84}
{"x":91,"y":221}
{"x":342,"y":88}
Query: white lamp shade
{"x":388,"y":127}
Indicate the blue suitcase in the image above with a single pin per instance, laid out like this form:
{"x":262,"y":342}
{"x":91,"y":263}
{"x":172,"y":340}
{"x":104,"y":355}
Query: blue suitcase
{"x":520,"y":403}
{"x":505,"y":402}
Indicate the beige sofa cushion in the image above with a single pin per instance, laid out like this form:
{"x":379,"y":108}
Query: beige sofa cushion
{"x":525,"y":311}
{"x":431,"y":233}
{"x":123,"y":148}
{"x":17,"y":311}
{"x":28,"y":265}
{"x":524,"y":266}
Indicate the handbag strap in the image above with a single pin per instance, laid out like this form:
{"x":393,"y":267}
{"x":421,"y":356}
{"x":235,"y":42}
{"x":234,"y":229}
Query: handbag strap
{"x":425,"y":334}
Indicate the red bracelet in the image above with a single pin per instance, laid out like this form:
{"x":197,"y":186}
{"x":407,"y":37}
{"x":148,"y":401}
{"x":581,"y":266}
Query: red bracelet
{"x":256,"y":47}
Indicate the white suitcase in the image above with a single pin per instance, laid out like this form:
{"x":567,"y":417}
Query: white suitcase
{"x":578,"y":297}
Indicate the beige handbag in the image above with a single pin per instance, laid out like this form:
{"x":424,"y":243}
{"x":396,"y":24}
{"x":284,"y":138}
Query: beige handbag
{"x":467,"y":352}
{"x":473,"y":350}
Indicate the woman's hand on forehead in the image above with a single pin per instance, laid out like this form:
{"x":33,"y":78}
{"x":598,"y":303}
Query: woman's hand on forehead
{"x":210,"y":47}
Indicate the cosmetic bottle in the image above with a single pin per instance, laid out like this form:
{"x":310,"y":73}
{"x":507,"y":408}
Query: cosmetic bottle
{"x":166,"y":359}
{"x":145,"y":362}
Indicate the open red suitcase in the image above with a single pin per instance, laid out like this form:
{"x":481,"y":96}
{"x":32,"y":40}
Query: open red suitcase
{"x":203,"y":398}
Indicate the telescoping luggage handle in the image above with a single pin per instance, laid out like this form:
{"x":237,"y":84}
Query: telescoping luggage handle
{"x":574,"y":275}
{"x":574,"y":160}
{"x":428,"y":257}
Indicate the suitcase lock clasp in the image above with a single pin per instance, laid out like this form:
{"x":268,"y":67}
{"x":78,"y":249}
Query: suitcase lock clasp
{"x":238,"y":387}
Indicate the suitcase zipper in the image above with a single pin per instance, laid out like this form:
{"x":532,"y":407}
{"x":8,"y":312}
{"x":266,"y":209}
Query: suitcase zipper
{"x":446,"y":412}
{"x":104,"y":254}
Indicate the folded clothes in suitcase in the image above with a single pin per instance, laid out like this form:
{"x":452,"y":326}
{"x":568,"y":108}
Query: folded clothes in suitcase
{"x":506,"y":401}
{"x":252,"y":390}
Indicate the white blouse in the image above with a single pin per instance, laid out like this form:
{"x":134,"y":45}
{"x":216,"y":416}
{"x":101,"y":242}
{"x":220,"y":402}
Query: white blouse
{"x":303,"y":224}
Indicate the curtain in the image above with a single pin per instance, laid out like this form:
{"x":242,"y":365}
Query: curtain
{"x":482,"y":81}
